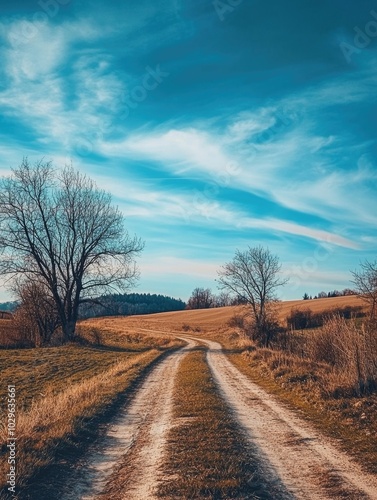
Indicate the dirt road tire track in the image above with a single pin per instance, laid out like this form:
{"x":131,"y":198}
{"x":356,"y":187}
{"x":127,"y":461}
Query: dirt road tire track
{"x":307,"y":463}
{"x":125,"y":463}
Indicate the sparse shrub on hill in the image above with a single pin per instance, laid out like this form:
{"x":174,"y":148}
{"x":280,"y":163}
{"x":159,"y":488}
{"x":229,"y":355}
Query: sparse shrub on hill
{"x":237,"y":321}
{"x":300,"y":319}
{"x":365,"y":280}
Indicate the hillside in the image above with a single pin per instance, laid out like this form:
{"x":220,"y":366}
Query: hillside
{"x":218,"y":317}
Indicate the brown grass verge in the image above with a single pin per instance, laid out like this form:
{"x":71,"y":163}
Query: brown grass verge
{"x":299,"y":383}
{"x":207,"y":454}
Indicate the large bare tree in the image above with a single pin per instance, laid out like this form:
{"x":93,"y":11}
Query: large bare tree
{"x":365,"y":280}
{"x":253,"y":276}
{"x":59,"y":230}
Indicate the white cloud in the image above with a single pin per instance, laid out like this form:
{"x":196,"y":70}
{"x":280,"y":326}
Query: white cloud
{"x":29,"y":59}
{"x":181,"y":150}
{"x":39,"y":90}
{"x":245,"y":125}
{"x":197,"y":209}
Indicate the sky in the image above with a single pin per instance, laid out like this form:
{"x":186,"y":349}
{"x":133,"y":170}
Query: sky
{"x":215,"y":125}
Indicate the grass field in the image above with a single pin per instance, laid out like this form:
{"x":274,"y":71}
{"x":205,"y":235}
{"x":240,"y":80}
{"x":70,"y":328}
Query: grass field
{"x":210,"y":320}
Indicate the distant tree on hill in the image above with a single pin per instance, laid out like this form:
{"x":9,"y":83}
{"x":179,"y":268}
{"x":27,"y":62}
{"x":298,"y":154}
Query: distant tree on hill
{"x":129,"y":304}
{"x":348,"y":291}
{"x":306,"y":296}
{"x":201,"y":298}
{"x":365,"y":280}
{"x":222,"y":300}
{"x":9,"y":306}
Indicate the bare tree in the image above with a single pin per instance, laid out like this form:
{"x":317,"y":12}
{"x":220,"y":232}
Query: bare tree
{"x":201,"y":298}
{"x":366,"y":284}
{"x":36,"y":317}
{"x":222,"y":300}
{"x":253,"y":275}
{"x":60,"y":230}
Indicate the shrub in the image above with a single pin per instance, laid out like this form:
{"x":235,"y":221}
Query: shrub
{"x":300,"y":319}
{"x":237,"y":321}
{"x":350,"y":349}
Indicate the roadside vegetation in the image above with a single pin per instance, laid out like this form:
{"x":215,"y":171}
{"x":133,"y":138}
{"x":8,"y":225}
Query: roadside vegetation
{"x":329,"y":373}
{"x":64,"y":393}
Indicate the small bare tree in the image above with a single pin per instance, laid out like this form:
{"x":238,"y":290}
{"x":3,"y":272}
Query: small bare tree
{"x":222,"y":300}
{"x":253,"y":275}
{"x":36,"y":317}
{"x":365,"y":280}
{"x":201,"y":298}
{"x":59,"y":230}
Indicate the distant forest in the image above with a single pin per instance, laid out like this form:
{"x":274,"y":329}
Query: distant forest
{"x":8,"y":306}
{"x":129,"y":304}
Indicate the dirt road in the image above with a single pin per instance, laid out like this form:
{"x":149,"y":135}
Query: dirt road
{"x":126,"y":463}
{"x":306,"y":462}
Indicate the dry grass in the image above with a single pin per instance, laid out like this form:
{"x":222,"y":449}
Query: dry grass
{"x":351,"y":350}
{"x":63,"y":391}
{"x":212,"y":461}
{"x":43,"y":428}
{"x":208,"y":322}
{"x":319,"y":305}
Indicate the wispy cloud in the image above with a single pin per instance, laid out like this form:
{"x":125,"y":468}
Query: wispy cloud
{"x":174,"y":208}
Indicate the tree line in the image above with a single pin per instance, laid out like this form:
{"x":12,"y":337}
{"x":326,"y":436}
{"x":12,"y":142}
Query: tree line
{"x":129,"y":304}
{"x":335,"y":293}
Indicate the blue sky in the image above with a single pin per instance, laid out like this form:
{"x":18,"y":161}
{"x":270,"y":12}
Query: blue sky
{"x":215,"y":125}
